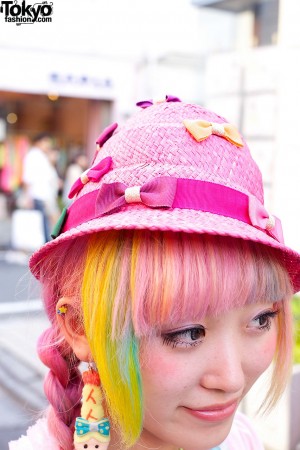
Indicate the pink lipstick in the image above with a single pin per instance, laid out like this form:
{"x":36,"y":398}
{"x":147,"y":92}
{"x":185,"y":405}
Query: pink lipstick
{"x":214,"y":413}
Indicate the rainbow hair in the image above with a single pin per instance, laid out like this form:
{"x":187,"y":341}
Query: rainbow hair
{"x":110,"y":333}
{"x":126,"y":284}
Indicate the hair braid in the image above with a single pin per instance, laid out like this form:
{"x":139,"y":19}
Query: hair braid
{"x":62,"y":387}
{"x":63,"y":384}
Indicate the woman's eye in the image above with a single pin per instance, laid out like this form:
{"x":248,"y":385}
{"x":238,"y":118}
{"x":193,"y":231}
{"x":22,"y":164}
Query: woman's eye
{"x":188,"y":337}
{"x":263,"y":321}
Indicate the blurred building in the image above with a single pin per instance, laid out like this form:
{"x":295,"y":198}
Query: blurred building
{"x":53,"y":92}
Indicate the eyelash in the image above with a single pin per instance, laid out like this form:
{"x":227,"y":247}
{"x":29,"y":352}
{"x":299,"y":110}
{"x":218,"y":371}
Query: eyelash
{"x":176,"y":338}
{"x":173,"y":338}
{"x":269,"y":316}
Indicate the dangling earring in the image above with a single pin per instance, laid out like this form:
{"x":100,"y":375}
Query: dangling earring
{"x":92,"y":427}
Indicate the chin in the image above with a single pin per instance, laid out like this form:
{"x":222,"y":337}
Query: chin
{"x":210,"y":436}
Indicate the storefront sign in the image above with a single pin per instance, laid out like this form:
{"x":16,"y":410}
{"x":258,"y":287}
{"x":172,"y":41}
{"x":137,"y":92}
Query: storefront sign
{"x":57,"y":74}
{"x":61,"y":80}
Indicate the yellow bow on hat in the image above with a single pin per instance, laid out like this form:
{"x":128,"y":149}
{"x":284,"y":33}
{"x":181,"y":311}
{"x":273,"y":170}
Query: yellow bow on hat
{"x":201,"y":129}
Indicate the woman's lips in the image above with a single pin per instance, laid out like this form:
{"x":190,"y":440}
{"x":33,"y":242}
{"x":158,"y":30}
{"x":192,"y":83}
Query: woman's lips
{"x":214,"y":413}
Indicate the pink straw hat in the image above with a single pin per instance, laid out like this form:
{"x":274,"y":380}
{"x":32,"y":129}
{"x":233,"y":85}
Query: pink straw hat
{"x":178,"y":167}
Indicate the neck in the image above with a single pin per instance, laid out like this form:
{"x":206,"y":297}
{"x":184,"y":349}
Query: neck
{"x":141,"y":444}
{"x":146,"y":442}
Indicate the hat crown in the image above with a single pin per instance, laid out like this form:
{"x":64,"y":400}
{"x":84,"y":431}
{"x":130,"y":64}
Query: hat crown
{"x":155,"y":142}
{"x":159,"y":172}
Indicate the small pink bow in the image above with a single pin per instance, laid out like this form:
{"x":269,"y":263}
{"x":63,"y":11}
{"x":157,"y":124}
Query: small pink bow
{"x":201,"y":129}
{"x":260,"y":218}
{"x":106,"y":134}
{"x":168,"y":98}
{"x":95,"y":173}
{"x":159,"y":192}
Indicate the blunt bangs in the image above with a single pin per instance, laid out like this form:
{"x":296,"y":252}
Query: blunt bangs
{"x":190,"y":276}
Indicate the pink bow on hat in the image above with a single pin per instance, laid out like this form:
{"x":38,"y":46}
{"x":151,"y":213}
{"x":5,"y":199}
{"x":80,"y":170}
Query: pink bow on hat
{"x":95,"y":173}
{"x":260,"y":218}
{"x":201,"y":129}
{"x":168,"y":98}
{"x":158,"y":192}
{"x":106,"y":134}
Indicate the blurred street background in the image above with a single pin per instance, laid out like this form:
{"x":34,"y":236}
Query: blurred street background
{"x":21,"y":322}
{"x":83,"y":66}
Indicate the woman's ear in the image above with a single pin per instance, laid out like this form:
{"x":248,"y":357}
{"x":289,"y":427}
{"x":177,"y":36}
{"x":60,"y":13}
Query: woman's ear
{"x":72,"y":328}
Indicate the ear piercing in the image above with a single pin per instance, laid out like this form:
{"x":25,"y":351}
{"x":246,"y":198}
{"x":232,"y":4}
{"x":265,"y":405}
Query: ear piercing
{"x":62,"y":310}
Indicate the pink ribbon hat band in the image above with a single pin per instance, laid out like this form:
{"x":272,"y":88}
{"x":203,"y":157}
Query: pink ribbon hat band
{"x":169,"y":192}
{"x":172,"y":166}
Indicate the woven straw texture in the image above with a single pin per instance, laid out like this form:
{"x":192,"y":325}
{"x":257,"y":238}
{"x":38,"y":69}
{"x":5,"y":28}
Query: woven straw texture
{"x":155,"y":143}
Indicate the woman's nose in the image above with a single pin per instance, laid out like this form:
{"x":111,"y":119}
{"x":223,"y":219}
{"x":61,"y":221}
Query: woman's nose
{"x":224,"y":367}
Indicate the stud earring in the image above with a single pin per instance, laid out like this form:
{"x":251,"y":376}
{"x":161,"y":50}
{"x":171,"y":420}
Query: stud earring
{"x":62,"y":310}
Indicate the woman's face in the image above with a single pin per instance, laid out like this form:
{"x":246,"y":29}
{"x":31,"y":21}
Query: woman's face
{"x":196,"y":373}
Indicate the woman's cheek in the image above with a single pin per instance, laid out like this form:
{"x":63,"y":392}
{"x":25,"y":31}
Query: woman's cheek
{"x":160,"y":367}
{"x":264,"y":354}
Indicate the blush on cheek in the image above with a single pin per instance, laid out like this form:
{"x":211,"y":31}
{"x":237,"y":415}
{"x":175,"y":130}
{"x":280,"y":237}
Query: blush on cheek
{"x":265,"y":353}
{"x":160,"y":366}
{"x":269,"y":347}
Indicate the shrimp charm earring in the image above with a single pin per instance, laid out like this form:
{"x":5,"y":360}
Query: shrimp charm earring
{"x":92,"y":429}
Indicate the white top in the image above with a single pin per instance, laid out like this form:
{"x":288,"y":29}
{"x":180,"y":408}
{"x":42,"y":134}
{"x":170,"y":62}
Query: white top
{"x":241,"y":437}
{"x":40,"y":176}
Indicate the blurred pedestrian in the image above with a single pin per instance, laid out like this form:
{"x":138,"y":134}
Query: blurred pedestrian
{"x":52,"y":206}
{"x":78,"y":164}
{"x":40,"y":180}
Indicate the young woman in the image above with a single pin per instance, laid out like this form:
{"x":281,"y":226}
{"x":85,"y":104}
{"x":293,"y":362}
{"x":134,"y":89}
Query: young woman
{"x":171,"y":280}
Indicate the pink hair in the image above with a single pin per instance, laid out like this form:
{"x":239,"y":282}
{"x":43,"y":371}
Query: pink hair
{"x":150,"y":276}
{"x":63,"y":384}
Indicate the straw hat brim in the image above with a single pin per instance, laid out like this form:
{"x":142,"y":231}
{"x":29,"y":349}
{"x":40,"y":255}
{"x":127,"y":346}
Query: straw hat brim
{"x":176,"y":220}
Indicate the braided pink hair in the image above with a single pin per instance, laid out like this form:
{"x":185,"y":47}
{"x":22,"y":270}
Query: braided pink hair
{"x":63,"y":384}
